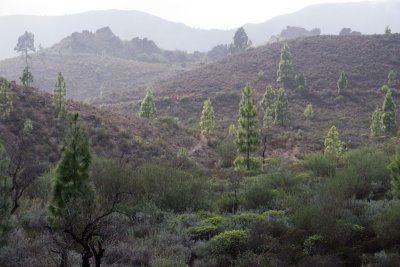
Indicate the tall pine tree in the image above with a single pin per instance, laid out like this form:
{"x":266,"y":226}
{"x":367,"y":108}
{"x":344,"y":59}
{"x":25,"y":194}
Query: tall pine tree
{"x":59,"y":97}
{"x":281,"y":108}
{"x":148,"y":108}
{"x":333,"y":145}
{"x":285,"y":68}
{"x":342,"y":83}
{"x":27,"y":77}
{"x":73,"y":198}
{"x":268,"y":104}
{"x":389,"y":114}
{"x":247,"y":138}
{"x":6,"y":100}
{"x":207,"y":121}
{"x":377,"y":128}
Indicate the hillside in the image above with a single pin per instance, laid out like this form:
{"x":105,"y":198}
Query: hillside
{"x":112,"y":135}
{"x":365,"y":59}
{"x":90,"y":75}
{"x":49,"y":30}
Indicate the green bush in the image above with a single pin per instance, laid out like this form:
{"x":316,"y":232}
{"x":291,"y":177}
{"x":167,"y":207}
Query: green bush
{"x":258,"y":192}
{"x":369,"y":167}
{"x":241,"y":163}
{"x":170,"y":188}
{"x":228,"y":202}
{"x":319,"y":164}
{"x":314,"y":245}
{"x":231,"y":242}
{"x":203,"y":232}
{"x":386,"y":224}
{"x":227,"y":152}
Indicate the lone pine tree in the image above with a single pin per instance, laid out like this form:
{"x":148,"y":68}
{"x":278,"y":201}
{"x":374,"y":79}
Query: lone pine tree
{"x":207,"y":121}
{"x":247,"y":138}
{"x":27,"y":77}
{"x":376,"y":128}
{"x":26,"y":43}
{"x":285,"y":68}
{"x":268,"y":105}
{"x":59,"y":97}
{"x":281,"y":108}
{"x":333,"y":145}
{"x":389,"y":114}
{"x":342,"y":83}
{"x":148,"y":108}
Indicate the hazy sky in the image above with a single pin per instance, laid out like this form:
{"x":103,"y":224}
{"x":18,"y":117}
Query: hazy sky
{"x":196,"y":13}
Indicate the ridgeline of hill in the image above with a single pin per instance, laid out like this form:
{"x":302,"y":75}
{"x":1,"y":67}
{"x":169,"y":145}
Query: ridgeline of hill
{"x":366,"y":61}
{"x":112,"y":135}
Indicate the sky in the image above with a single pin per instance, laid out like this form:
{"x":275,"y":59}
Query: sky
{"x":205,"y":14}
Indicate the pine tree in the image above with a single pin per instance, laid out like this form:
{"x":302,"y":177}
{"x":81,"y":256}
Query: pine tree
{"x":148,"y":108}
{"x":389,"y":114}
{"x":269,"y":104}
{"x":71,"y":184}
{"x":301,"y":83}
{"x":388,"y":30}
{"x":207,"y":122}
{"x":27,"y":77}
{"x":377,"y":127}
{"x":26,"y":43}
{"x":392,"y":79}
{"x":333,"y":145}
{"x":285,"y":69}
{"x":232,"y":129}
{"x":59,"y":97}
{"x":240,"y":41}
{"x":282,"y":108}
{"x":309,"y":112}
{"x":6,"y":100}
{"x":342,"y":83}
{"x":247,"y":138}
{"x":394,"y":167}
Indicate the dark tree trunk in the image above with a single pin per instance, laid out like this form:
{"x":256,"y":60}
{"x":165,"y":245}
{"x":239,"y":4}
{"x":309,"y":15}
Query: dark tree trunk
{"x":64,"y":259}
{"x":265,"y":139}
{"x":98,"y":255}
{"x":86,"y":259}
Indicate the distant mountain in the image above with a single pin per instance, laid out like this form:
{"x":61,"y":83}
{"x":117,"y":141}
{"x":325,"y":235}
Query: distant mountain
{"x":367,"y":17}
{"x":105,"y":42}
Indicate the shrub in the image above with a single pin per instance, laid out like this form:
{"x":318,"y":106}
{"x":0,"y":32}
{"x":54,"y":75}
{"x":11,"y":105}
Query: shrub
{"x":203,"y":232}
{"x":227,"y":152}
{"x":314,"y":245}
{"x":258,"y":192}
{"x":231,"y":242}
{"x":173,"y":189}
{"x":319,"y":164}
{"x":241,"y":163}
{"x":228,"y":202}
{"x":386,"y":224}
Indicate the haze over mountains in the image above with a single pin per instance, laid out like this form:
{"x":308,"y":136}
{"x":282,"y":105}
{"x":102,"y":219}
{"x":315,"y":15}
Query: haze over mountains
{"x":372,"y":17}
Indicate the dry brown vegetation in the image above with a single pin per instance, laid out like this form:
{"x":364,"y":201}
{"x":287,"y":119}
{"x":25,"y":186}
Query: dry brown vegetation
{"x":112,"y":135}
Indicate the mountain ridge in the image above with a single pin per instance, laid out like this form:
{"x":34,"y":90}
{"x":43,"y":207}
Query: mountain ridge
{"x":171,"y":35}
